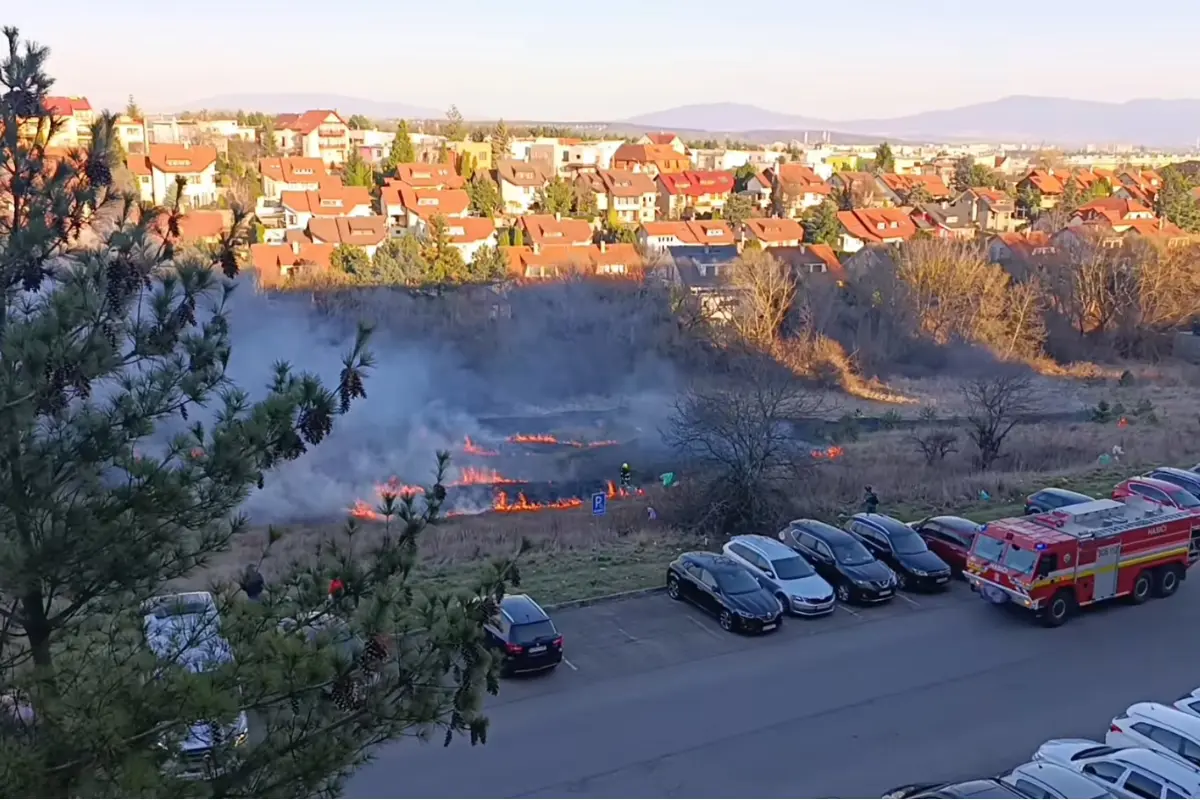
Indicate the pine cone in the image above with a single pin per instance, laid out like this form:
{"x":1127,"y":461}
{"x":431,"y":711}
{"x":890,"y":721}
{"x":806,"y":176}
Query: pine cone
{"x":98,"y":171}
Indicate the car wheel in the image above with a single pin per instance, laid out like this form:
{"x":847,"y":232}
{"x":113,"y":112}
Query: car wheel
{"x":1141,"y":588}
{"x":673,"y":588}
{"x":1168,"y":581}
{"x":784,"y":603}
{"x":901,"y":581}
{"x":843,"y":593}
{"x":1059,"y":610}
{"x":726,"y":621}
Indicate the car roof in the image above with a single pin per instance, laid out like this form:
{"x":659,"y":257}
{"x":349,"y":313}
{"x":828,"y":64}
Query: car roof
{"x":957,"y":523}
{"x":988,"y":787}
{"x":1183,"y":475}
{"x":1158,"y":764}
{"x":771,"y":548}
{"x":520,"y":609}
{"x":821,"y":530}
{"x":1055,"y":492}
{"x":716,"y":562}
{"x":889,"y":525}
{"x":1073,"y":783}
{"x":1167,"y":715}
{"x":1157,"y":483}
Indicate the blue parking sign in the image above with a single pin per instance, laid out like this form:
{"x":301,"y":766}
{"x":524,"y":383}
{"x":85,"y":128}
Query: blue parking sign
{"x":599,"y":504}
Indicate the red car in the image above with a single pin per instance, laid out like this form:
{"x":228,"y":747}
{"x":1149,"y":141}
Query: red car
{"x":1168,"y":494}
{"x":950,"y":538}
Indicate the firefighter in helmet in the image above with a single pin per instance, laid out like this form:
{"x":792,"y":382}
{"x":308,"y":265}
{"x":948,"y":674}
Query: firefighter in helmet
{"x":626,"y":476}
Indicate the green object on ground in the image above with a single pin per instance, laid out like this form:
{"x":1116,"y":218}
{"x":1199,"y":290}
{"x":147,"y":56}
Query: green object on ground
{"x":668,"y":479}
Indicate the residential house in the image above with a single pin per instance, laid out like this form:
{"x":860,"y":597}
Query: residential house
{"x":810,"y":259}
{"x":428,"y":176}
{"x":469,"y":234}
{"x":131,"y":134}
{"x":579,"y":157}
{"x":363,"y":232}
{"x":407,"y":207}
{"x":665,"y":139}
{"x":546,"y":230}
{"x":294,"y":174}
{"x":864,"y":226}
{"x":650,"y":158}
{"x":1139,"y":185}
{"x":480,"y":154}
{"x":520,"y":182}
{"x":800,"y":186}
{"x":1118,"y":213}
{"x":947,"y":220}
{"x":372,"y":146}
{"x":534,"y":150}
{"x":692,"y":193}
{"x":556,"y":261}
{"x":1023,"y":253}
{"x":75,"y":116}
{"x":299,"y":208}
{"x":992,"y":210}
{"x":1160,"y":231}
{"x":898,"y":188}
{"x":658,"y":237}
{"x":864,"y":188}
{"x":631,"y":195}
{"x":772,"y":232}
{"x":1051,"y":183}
{"x":275,"y":264}
{"x":158,"y":171}
{"x":704,"y":272}
{"x":196,"y":227}
{"x":319,"y":134}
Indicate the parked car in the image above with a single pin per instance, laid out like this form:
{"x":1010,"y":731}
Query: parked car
{"x":950,"y":538}
{"x":1158,"y":727}
{"x":1127,"y":771}
{"x":185,"y":629}
{"x":841,"y":559}
{"x":984,"y":789}
{"x":785,"y":572}
{"x":898,"y":545}
{"x":1183,"y":478}
{"x":1051,"y":499}
{"x":1189,"y":703}
{"x":524,"y":636}
{"x":1160,"y":491}
{"x":1045,"y":779}
{"x":727,"y":590}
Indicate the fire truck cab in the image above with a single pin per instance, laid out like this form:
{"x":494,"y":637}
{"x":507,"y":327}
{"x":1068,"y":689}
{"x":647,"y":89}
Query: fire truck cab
{"x":1054,"y":563}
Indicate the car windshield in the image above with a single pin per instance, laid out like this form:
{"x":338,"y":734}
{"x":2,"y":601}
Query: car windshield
{"x":791,"y":568}
{"x":1183,"y":498}
{"x":987,"y":548}
{"x":907,"y":543}
{"x":528,"y":632}
{"x":182,"y":606}
{"x":1020,"y":560}
{"x":850,"y":553}
{"x":737,"y":582}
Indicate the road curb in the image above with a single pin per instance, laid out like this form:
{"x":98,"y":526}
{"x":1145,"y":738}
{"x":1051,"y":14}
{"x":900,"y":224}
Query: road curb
{"x":604,"y":598}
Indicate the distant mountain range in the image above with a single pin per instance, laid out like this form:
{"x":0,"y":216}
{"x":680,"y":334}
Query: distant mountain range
{"x":1163,"y":123}
{"x":285,"y":103}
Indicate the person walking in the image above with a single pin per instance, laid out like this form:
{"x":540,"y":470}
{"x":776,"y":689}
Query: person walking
{"x":870,"y":500}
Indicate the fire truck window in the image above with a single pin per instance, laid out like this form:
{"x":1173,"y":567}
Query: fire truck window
{"x":987,"y":548}
{"x":1020,"y":560}
{"x":1046,"y":564}
{"x":1143,"y":785}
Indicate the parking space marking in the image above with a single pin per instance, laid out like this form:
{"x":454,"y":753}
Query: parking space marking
{"x":628,"y":635}
{"x":849,"y":610}
{"x":702,"y":626}
{"x":908,"y":599}
{"x":569,"y":664}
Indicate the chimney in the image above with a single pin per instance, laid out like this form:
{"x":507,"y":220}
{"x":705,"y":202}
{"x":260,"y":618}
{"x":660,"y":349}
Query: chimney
{"x":558,"y":216}
{"x":603,"y":246}
{"x":296,"y":248}
{"x":537,"y":248}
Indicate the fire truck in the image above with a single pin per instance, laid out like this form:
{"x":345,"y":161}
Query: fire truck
{"x":1057,"y":562}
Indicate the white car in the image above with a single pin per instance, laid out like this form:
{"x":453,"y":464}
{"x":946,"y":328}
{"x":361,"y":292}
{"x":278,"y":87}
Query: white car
{"x":784,"y":572}
{"x":1046,"y":779}
{"x":186,"y":629}
{"x":1158,"y":727}
{"x":1190,"y":703}
{"x":1126,"y":771}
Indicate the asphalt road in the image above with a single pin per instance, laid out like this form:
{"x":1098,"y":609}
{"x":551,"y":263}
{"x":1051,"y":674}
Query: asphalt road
{"x":658,"y":702}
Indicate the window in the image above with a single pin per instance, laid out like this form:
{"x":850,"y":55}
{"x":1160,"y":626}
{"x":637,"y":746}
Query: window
{"x":737,"y":581}
{"x":1150,"y":493}
{"x":791,"y":568}
{"x":707,"y":579}
{"x":1020,"y":560}
{"x":1031,"y":790}
{"x":1195,"y":706}
{"x":851,"y":553}
{"x":823,"y":550}
{"x":1184,"y":498}
{"x":1173,"y":795}
{"x":908,"y":543}
{"x":1190,"y":751}
{"x":1105,"y":771}
{"x":1143,"y":785}
{"x":806,"y":540}
{"x":529,"y":632}
{"x":987,"y":548}
{"x":1170,"y":741}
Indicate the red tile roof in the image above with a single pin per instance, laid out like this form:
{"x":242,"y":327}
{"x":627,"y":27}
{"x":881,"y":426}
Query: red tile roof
{"x":194,"y":226}
{"x":269,"y":259}
{"x":1157,"y":227}
{"x":331,"y":201}
{"x":826,"y":254}
{"x":426,"y":203}
{"x":66,"y":106}
{"x":357,"y":231}
{"x":658,"y":154}
{"x":991,"y":195}
{"x":428,"y":176}
{"x":182,"y":159}
{"x":307,"y":122}
{"x":545,"y":229}
{"x":706,"y":231}
{"x":469,"y":230}
{"x":623,"y":183}
{"x":797,"y":179}
{"x":662,"y":137}
{"x":903,"y":184}
{"x":1113,"y":209}
{"x":294,"y":169}
{"x":872,"y":225}
{"x":770,"y":230}
{"x":691,"y":183}
{"x":561,"y":260}
{"x":523,"y":173}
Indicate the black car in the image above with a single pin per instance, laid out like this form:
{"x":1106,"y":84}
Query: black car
{"x":856,"y":575}
{"x":524,"y":636}
{"x":902,"y":549}
{"x":725,"y":589}
{"x":1183,"y":478}
{"x":1051,"y":499}
{"x":986,"y":789}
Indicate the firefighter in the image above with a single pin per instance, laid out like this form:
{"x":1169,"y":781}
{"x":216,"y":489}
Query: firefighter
{"x":626,"y":476}
{"x":870,"y":500}
{"x":252,"y":582}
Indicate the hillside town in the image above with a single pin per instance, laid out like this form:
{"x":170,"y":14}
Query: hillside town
{"x":339,"y":197}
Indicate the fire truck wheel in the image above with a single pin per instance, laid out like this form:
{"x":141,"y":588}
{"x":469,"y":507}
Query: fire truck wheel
{"x":1141,"y":588}
{"x":1168,"y":581}
{"x":1059,"y":609}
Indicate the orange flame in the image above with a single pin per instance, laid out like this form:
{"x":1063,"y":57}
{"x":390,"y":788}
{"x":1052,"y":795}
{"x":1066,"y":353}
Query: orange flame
{"x":501,"y":503}
{"x":829,"y":453}
{"x":472,"y":449}
{"x":394,"y":488}
{"x":363,"y":511}
{"x":618,"y":493}
{"x":532,"y":438}
{"x":473,"y":476}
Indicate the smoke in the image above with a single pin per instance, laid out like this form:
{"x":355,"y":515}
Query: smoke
{"x":579,"y":361}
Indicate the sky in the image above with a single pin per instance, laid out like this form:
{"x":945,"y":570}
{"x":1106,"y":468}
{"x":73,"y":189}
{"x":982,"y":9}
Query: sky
{"x":563,"y":60}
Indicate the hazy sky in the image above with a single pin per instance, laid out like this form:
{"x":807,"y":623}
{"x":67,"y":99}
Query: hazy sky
{"x":564,"y":60}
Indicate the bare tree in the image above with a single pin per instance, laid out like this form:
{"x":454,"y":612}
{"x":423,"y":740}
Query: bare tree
{"x":767,"y":291}
{"x":995,"y":404}
{"x":742,"y":437}
{"x":936,"y":445}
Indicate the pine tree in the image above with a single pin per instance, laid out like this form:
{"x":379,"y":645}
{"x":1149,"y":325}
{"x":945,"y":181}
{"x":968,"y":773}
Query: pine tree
{"x":501,"y":142}
{"x":485,"y":195}
{"x":357,"y":172}
{"x":821,"y":225}
{"x":402,"y":151}
{"x":445,"y":262}
{"x":466,"y":166}
{"x":101,"y":348}
{"x":132,"y":110}
{"x":885,"y":161}
{"x":454,"y":131}
{"x":488,"y":264}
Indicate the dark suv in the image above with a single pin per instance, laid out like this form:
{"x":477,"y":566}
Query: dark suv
{"x":524,"y":636}
{"x":841,"y":559}
{"x":902,"y":549}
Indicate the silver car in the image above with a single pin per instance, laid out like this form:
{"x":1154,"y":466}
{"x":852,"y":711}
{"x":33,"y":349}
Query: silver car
{"x":784,"y":572}
{"x":1126,"y":771}
{"x":1045,"y":779}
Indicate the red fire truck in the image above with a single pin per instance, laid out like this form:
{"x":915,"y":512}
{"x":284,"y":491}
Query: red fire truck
{"x":1056,"y":562}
